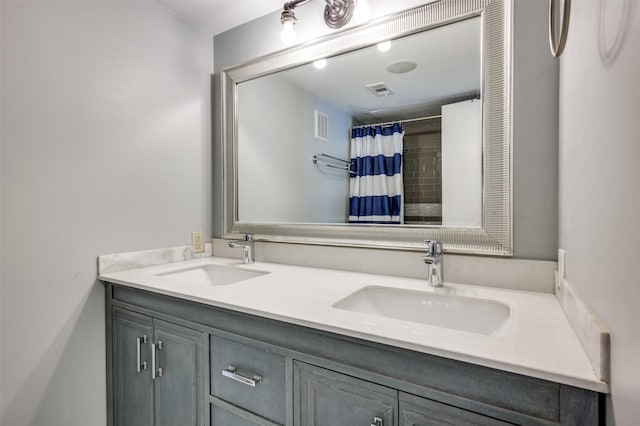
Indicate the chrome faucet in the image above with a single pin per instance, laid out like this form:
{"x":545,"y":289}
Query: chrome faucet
{"x":433,"y":259}
{"x":247,"y":245}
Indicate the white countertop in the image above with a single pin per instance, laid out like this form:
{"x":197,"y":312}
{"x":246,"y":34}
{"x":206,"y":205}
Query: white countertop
{"x":537,"y":341}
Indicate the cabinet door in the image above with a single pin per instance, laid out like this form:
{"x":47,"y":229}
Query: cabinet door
{"x":326,"y":398}
{"x":416,"y":411}
{"x":132,"y":384}
{"x":180,"y":374}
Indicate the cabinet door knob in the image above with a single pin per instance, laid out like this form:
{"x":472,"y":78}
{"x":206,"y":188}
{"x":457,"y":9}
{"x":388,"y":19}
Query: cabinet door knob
{"x":140,"y":365}
{"x":377,"y":421}
{"x":230,"y":372}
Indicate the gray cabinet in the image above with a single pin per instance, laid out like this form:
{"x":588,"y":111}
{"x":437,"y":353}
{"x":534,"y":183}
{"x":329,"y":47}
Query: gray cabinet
{"x":224,"y":368}
{"x":415,"y":411}
{"x":326,"y":398}
{"x":157,"y":372}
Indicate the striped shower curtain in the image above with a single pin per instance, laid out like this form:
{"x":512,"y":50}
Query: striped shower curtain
{"x":376,"y":181}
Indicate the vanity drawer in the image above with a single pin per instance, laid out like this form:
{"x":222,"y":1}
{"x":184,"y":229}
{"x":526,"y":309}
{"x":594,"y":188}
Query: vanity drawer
{"x":223,"y":414}
{"x":264,"y":396}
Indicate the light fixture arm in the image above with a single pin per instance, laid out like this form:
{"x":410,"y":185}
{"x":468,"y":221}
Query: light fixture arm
{"x":337,"y":13}
{"x":290,"y":5}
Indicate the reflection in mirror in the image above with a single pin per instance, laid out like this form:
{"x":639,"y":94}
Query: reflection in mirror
{"x":288,"y":119}
{"x":429,"y":82}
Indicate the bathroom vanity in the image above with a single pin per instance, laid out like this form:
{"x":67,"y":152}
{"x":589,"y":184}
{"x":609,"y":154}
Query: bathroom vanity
{"x":301,"y":346}
{"x":272,"y":350}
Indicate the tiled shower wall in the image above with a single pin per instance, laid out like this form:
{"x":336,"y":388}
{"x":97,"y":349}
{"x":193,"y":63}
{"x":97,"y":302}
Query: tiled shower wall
{"x":422,"y":156}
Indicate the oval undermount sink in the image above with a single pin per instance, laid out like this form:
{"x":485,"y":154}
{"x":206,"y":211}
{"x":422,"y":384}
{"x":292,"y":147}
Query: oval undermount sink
{"x":210,"y":274}
{"x":447,"y":311}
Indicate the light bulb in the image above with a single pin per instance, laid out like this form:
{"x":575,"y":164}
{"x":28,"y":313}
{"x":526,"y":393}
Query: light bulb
{"x":288,"y":34}
{"x":384,"y":46}
{"x":320,"y":63}
{"x":363,"y":11}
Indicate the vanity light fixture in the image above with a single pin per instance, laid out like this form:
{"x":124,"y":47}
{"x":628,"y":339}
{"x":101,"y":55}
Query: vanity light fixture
{"x":288,"y":34}
{"x":337,"y":13}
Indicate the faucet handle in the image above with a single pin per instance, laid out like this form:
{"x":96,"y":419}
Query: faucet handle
{"x":434,"y":248}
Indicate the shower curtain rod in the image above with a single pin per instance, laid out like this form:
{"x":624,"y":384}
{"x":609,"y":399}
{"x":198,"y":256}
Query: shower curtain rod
{"x":410,"y":120}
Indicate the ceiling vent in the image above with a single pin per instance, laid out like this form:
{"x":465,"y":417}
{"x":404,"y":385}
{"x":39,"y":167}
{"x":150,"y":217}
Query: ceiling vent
{"x":380,"y":89}
{"x":322,"y":126}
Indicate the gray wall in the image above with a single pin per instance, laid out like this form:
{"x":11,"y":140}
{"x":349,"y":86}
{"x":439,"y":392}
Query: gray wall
{"x":266,"y":168}
{"x":105,"y":147}
{"x":535,"y":122}
{"x":600,"y":182}
{"x":535,"y":135}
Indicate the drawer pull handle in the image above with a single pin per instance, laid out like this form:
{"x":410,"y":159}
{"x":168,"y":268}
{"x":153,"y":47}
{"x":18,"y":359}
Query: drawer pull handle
{"x":377,"y":421}
{"x":230,"y":372}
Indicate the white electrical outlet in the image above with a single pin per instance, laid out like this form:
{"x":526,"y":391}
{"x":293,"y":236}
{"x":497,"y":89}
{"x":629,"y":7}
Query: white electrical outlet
{"x":197,"y":243}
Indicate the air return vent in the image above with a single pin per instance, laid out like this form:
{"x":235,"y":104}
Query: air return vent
{"x":322,"y":126}
{"x":380,"y":89}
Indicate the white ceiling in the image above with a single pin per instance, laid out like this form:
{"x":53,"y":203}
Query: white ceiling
{"x":217,"y":16}
{"x":448,"y":70}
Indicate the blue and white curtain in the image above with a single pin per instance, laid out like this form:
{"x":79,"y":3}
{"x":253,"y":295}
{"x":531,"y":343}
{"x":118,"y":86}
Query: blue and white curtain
{"x":375,"y":194}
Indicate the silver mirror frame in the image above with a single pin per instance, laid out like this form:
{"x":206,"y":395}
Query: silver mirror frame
{"x":495,"y":236}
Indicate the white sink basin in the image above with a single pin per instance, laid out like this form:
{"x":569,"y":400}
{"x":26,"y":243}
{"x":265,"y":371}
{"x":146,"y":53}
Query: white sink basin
{"x":448,"y":311}
{"x":210,"y":274}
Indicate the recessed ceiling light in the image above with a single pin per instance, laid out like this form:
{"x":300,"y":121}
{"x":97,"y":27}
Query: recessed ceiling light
{"x":320,"y":63}
{"x":384,"y":46}
{"x":401,"y":67}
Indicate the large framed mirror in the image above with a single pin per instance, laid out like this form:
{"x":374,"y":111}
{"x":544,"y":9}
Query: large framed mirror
{"x":436,"y":79}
